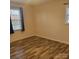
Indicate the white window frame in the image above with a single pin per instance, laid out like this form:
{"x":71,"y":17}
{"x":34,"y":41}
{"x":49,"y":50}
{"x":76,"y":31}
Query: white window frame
{"x":67,"y":15}
{"x":18,"y":25}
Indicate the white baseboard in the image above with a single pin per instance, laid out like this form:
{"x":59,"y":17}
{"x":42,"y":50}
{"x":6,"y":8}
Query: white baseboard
{"x":53,"y":39}
{"x":22,"y":38}
{"x":42,"y":37}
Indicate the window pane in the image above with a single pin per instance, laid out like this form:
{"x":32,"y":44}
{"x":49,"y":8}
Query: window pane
{"x":67,"y":15}
{"x":16,"y":19}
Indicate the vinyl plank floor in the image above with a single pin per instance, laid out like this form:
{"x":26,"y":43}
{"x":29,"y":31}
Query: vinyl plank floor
{"x":37,"y":48}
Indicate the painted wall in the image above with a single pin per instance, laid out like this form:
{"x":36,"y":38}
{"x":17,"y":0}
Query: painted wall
{"x":28,"y":22}
{"x":50,"y":21}
{"x":45,"y":20}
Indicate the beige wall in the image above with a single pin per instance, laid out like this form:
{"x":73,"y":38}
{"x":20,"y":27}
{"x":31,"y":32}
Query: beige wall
{"x":28,"y":22}
{"x":45,"y":20}
{"x":50,"y":21}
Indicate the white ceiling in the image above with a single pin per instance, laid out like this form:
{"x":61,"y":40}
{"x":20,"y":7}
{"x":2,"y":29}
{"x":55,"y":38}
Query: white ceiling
{"x":32,"y":2}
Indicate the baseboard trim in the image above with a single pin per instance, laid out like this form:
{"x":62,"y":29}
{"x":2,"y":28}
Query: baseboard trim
{"x":41,"y":37}
{"x":52,"y":39}
{"x":22,"y":38}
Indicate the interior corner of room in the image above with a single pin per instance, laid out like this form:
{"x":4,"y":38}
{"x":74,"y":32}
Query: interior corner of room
{"x":46,"y":19}
{"x":39,"y":29}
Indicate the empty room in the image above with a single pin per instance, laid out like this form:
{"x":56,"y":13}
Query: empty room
{"x":39,"y":29}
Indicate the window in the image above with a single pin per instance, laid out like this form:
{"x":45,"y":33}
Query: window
{"x":16,"y":15}
{"x":67,"y":15}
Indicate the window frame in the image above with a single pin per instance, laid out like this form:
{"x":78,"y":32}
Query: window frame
{"x":22,"y":18}
{"x":67,"y":15}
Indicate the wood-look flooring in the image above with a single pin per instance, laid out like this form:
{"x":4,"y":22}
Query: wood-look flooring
{"x":37,"y":48}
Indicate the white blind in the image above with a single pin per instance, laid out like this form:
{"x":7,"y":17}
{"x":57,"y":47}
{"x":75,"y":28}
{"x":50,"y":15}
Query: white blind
{"x":67,"y":15}
{"x":16,"y":19}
